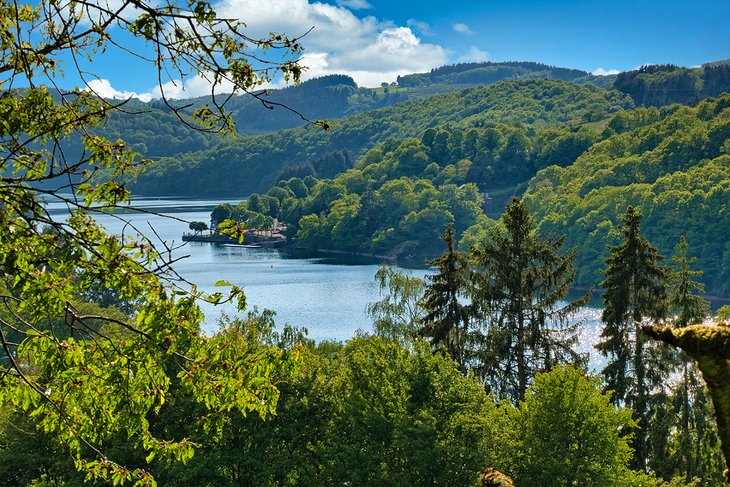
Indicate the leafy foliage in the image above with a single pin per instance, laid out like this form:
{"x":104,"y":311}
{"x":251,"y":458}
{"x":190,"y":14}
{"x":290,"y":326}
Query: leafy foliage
{"x":671,"y":163}
{"x":253,"y":164}
{"x":566,"y":432}
{"x":372,"y":411}
{"x":85,"y":377}
{"x":396,"y":316}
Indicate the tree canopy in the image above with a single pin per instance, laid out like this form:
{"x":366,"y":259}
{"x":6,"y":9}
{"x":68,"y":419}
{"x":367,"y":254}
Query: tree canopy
{"x":87,"y":374}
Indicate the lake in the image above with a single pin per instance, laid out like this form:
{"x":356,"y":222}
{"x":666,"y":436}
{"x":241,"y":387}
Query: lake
{"x":328,"y":296}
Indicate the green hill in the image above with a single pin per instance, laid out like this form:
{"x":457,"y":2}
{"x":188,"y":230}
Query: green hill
{"x":487,"y":73}
{"x":254,"y":163}
{"x":673,"y":163}
{"x":152,"y":128}
{"x":661,"y":85}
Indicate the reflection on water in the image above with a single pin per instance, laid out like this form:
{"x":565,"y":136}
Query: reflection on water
{"x":327,"y":295}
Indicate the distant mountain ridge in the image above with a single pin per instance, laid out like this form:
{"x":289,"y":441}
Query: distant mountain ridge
{"x":336,"y":96}
{"x":486,"y":73}
{"x":156,"y":132}
{"x":254,"y":163}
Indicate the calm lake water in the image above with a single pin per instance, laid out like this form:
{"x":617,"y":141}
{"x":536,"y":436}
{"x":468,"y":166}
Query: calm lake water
{"x":328,"y":296}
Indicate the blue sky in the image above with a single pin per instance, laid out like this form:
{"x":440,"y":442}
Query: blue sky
{"x":584,"y":34}
{"x":376,"y":40}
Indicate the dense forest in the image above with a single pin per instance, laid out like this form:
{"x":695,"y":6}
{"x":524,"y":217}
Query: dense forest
{"x":673,"y":163}
{"x":515,"y":191}
{"x":154,"y":130}
{"x":254,"y":164}
{"x":660,"y":85}
{"x":400,"y":196}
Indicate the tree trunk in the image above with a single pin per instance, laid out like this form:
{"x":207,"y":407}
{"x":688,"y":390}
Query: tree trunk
{"x":641,"y":453}
{"x":709,"y":345}
{"x":686,"y":446}
{"x":521,"y":365}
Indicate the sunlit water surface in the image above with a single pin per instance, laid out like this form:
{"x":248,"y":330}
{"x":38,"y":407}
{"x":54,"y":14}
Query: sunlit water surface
{"x":328,"y":296}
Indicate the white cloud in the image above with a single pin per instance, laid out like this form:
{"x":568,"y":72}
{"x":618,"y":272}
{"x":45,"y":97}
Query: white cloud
{"x":605,"y":72}
{"x":104,"y":89}
{"x":369,"y":50}
{"x":393,"y":52}
{"x":473,"y":55}
{"x":462,"y":29}
{"x":354,"y":4}
{"x":191,"y":87}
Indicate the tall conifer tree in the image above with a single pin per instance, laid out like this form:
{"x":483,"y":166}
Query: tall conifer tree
{"x":636,"y":290}
{"x":689,"y":308}
{"x":686,"y":299}
{"x":519,"y":294}
{"x":447,"y":318}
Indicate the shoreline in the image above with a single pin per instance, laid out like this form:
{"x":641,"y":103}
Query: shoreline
{"x":257,"y":241}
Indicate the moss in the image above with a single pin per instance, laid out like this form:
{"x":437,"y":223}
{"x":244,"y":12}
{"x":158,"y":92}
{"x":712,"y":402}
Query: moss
{"x":709,"y":345}
{"x":696,"y":340}
{"x":494,"y":478}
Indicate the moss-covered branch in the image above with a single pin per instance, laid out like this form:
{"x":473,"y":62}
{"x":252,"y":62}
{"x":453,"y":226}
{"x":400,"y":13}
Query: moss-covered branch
{"x":710,"y":346}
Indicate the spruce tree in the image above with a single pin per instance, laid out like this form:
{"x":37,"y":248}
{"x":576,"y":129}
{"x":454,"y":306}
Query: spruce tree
{"x":447,"y":319}
{"x":689,"y":308}
{"x":686,"y":299}
{"x":519,"y":294}
{"x":636,"y":290}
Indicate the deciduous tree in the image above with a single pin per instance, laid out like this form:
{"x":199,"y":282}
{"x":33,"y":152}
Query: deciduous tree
{"x":106,"y":375}
{"x":397,"y":315}
{"x":567,"y":432}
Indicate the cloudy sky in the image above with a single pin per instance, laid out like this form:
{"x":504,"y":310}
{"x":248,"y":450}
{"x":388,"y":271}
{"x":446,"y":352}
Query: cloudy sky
{"x":376,"y":40}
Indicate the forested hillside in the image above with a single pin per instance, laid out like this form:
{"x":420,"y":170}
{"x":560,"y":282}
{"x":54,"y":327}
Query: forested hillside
{"x":402,"y":193}
{"x":488,"y":73}
{"x":253,"y":164}
{"x":660,"y":85}
{"x":154,"y":130}
{"x":673,"y":163}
